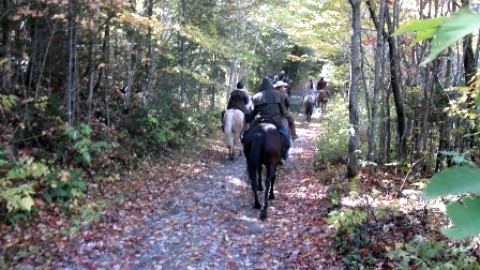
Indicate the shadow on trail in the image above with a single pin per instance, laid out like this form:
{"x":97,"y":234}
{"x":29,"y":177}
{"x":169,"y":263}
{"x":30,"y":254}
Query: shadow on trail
{"x":207,"y":220}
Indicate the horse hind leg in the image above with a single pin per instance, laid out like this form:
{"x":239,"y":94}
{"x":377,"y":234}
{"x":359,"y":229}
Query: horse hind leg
{"x":252,"y":175}
{"x":259,"y":173}
{"x":268,"y":190}
{"x":231,"y":153}
{"x":238,"y":145}
{"x":272,"y":196}
{"x":256,"y":204}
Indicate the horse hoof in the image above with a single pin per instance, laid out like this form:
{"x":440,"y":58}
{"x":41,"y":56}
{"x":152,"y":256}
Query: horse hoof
{"x":271,"y":197}
{"x":257,"y":206}
{"x":263,"y":214}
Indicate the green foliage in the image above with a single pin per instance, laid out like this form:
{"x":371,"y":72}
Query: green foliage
{"x":64,"y":185}
{"x":444,"y":31}
{"x":334,"y":197}
{"x":83,"y":144}
{"x":424,"y":29}
{"x":334,"y":146}
{"x":459,"y":180}
{"x":463,"y":213}
{"x":457,"y":158}
{"x":7,"y":102}
{"x":164,"y":132}
{"x":453,"y":181}
{"x":23,"y":179}
{"x":204,"y":123}
{"x":89,"y":213}
{"x":17,"y":186}
{"x":465,"y":216}
{"x":347,"y":220}
{"x":424,"y":254}
{"x":348,"y":224}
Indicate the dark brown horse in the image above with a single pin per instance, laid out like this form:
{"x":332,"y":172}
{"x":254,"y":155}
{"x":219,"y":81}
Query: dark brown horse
{"x":322,"y":99}
{"x":263,"y":144}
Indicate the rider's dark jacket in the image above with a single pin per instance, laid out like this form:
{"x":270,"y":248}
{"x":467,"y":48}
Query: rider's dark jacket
{"x":269,"y":103}
{"x":238,"y":99}
{"x":321,"y":84}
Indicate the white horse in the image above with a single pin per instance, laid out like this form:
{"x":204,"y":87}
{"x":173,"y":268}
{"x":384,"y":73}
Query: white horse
{"x":234,"y":121}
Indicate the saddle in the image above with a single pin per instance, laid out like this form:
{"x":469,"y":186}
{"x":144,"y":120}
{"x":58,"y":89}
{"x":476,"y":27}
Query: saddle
{"x":266,"y":120}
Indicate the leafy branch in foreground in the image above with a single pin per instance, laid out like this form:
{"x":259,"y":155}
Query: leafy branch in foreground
{"x":464,"y":180}
{"x":445,"y":31}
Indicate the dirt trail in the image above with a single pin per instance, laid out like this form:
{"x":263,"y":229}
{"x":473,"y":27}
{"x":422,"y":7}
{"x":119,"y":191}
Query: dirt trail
{"x":210,"y":223}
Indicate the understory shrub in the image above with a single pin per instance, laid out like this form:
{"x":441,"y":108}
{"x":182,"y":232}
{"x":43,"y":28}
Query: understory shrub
{"x":27,"y":179}
{"x":332,"y":145}
{"x":426,"y":254}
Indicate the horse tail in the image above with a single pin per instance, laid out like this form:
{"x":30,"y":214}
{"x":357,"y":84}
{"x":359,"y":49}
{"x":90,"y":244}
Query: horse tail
{"x":254,"y":154}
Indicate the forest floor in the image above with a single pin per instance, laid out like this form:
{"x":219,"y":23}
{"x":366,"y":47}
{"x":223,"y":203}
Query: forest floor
{"x":194,"y":210}
{"x":197,"y":214}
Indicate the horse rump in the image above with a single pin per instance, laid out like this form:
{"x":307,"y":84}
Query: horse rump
{"x":322,"y":99}
{"x":234,"y":123}
{"x":309,"y":102}
{"x":263,"y":145}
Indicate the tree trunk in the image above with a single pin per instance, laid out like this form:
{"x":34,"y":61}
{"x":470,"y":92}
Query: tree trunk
{"x":106,"y":69}
{"x":379,"y":58}
{"x":396,"y":88}
{"x":149,"y":67}
{"x":354,"y":141}
{"x":6,"y":48}
{"x":91,"y":76}
{"x":71,"y":70}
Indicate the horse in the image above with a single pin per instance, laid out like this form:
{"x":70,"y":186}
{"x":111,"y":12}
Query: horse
{"x":309,"y":102}
{"x":234,"y":121}
{"x":322,"y":99}
{"x":263,"y":144}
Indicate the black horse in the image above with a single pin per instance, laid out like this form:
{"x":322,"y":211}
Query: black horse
{"x":263,"y":144}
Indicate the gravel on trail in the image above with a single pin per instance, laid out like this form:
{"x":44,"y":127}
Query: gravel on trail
{"x":207,"y":220}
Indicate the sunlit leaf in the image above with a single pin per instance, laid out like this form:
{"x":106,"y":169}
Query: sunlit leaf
{"x":26,"y":203}
{"x":465,"y":217}
{"x":453,"y":29}
{"x":424,"y":28}
{"x":454,"y":181}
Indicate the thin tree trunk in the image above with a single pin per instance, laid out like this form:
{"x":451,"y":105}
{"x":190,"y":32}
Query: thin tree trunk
{"x":379,"y":58}
{"x":106,"y":73}
{"x":365,"y":79}
{"x":91,"y":76}
{"x":70,"y":85}
{"x":396,"y":88}
{"x":149,"y":67}
{"x":130,"y":72}
{"x":354,"y":141}
{"x":44,"y":61}
{"x":6,"y":48}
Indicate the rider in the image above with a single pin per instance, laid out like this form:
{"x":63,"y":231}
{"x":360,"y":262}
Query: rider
{"x":280,"y":86}
{"x":268,"y":103}
{"x":322,"y":85}
{"x":239,"y":99}
{"x":312,"y":92}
